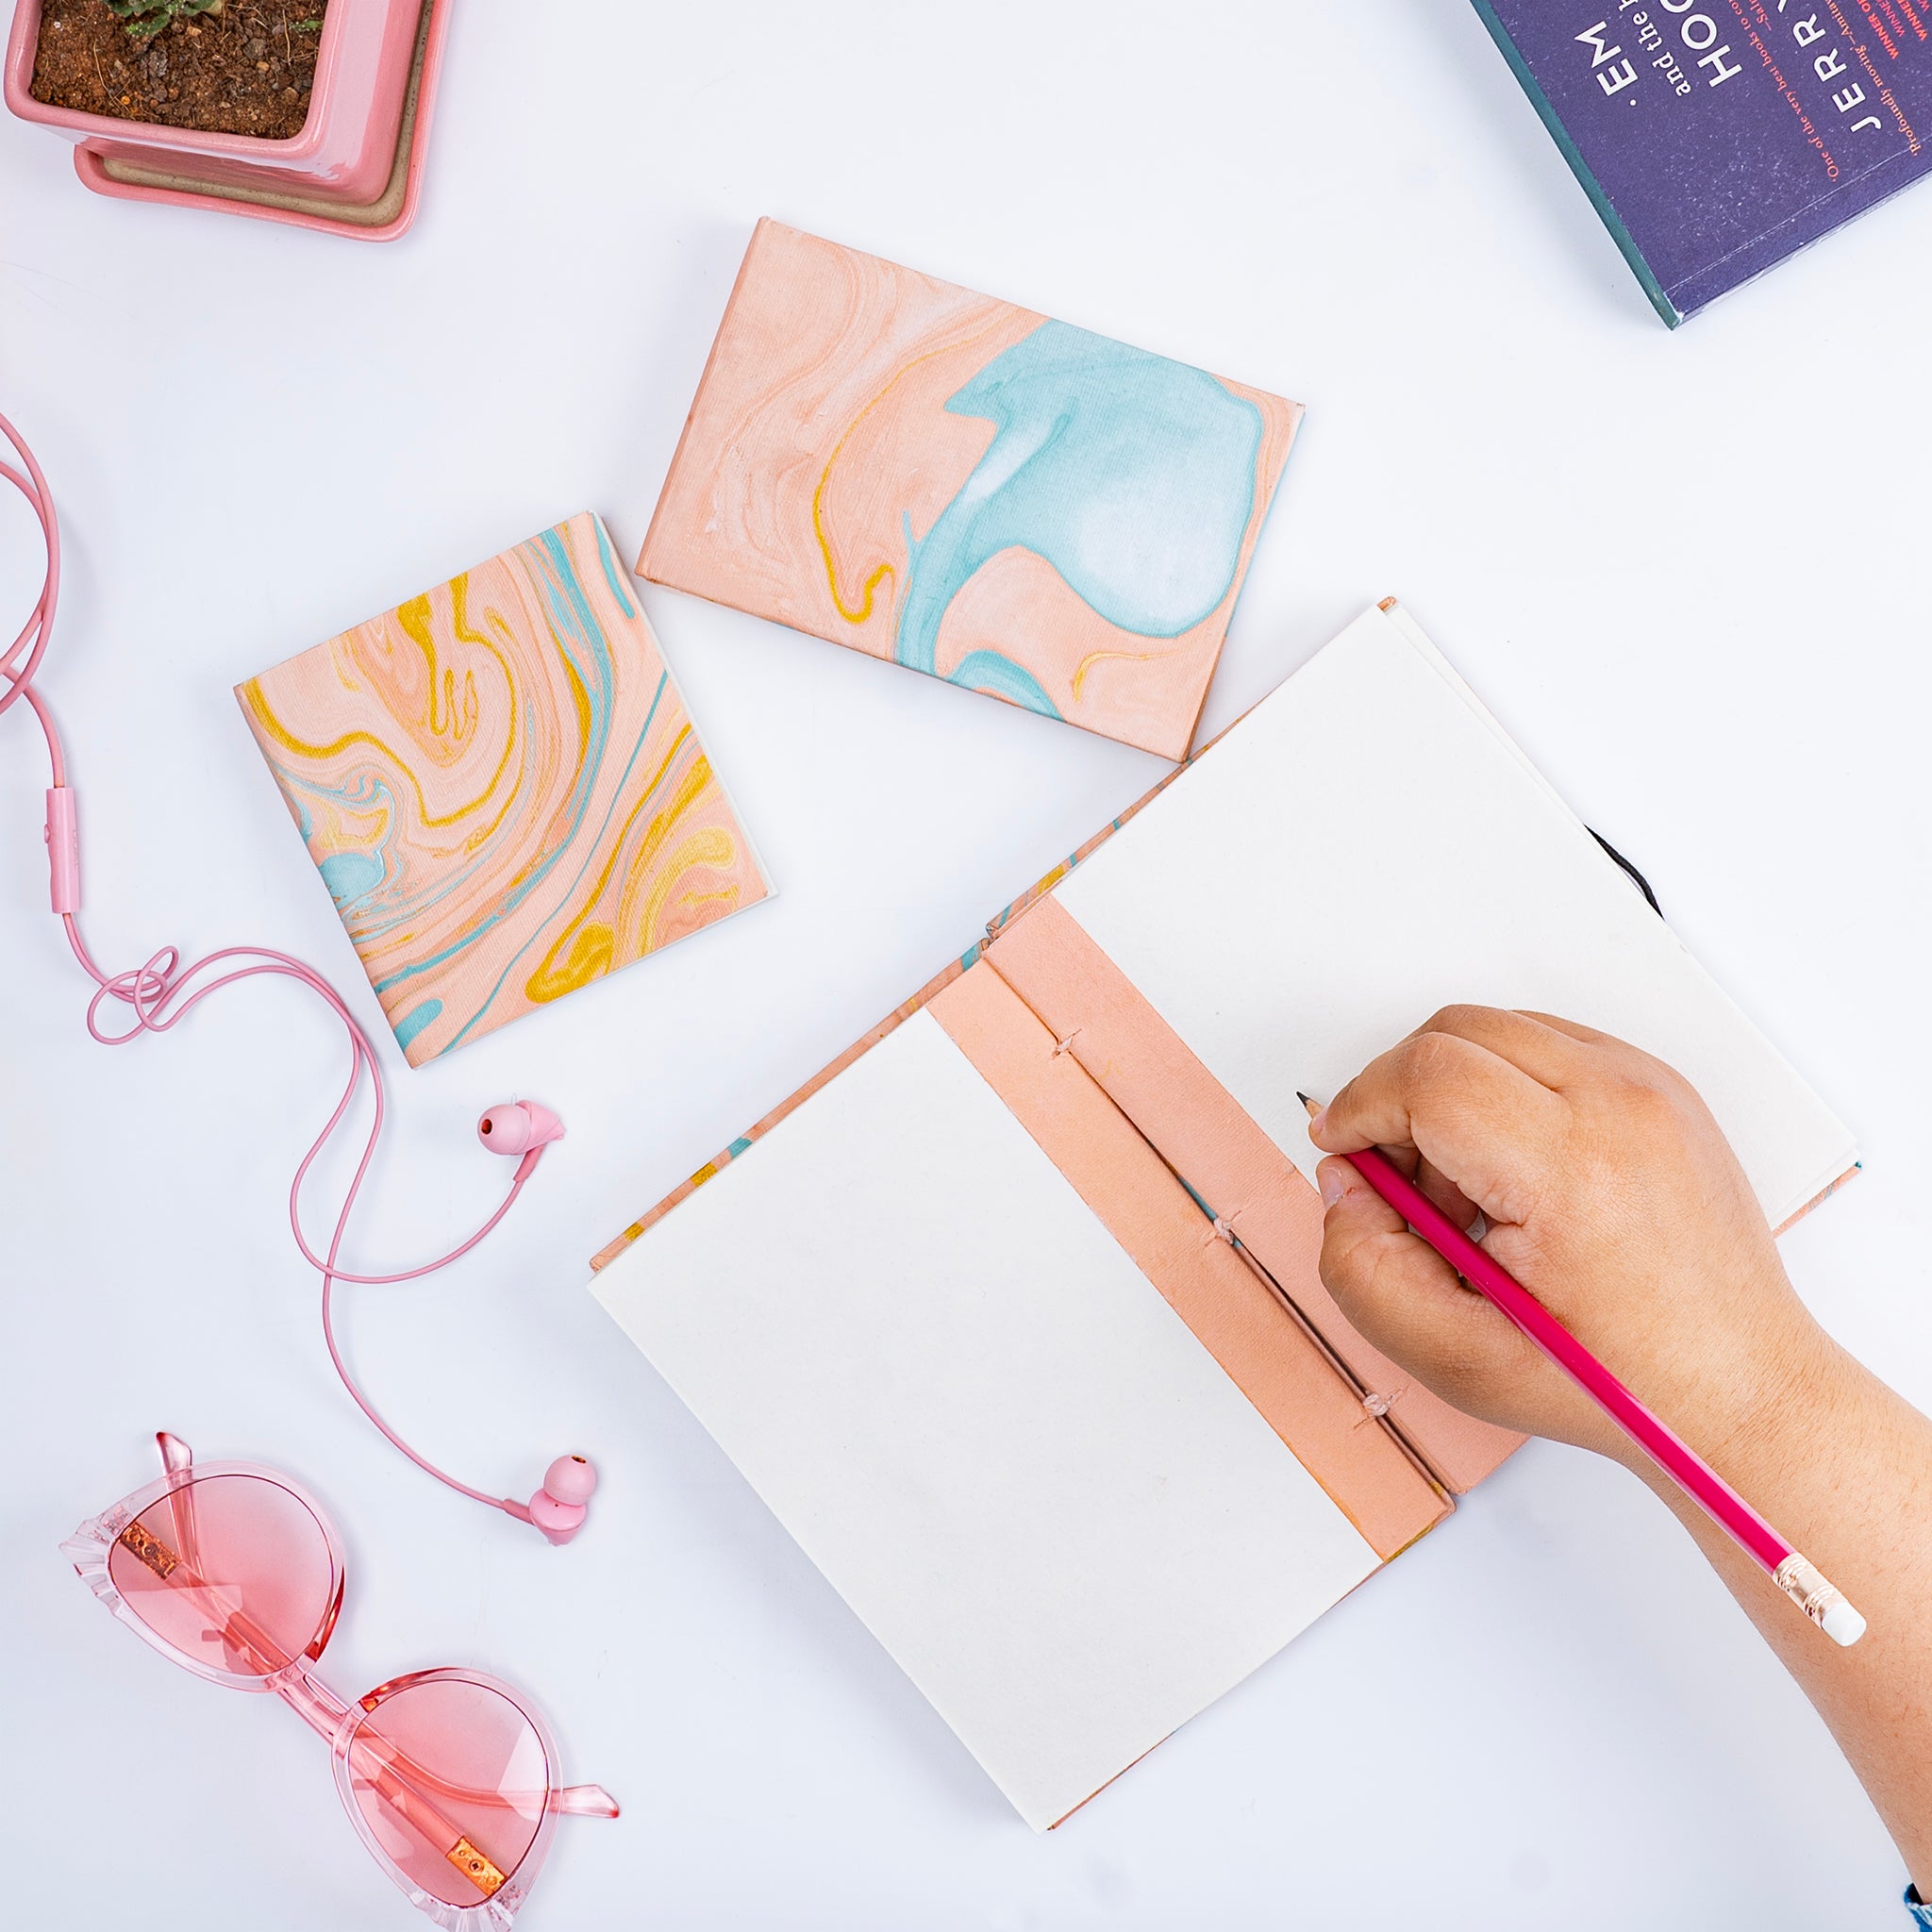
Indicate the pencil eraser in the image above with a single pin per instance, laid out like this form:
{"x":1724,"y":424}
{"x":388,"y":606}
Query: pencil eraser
{"x":1843,"y":1625}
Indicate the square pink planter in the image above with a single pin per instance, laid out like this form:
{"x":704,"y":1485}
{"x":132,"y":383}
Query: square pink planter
{"x":352,"y":155}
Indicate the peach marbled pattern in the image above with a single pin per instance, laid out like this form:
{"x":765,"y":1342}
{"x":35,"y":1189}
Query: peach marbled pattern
{"x":502,"y":790}
{"x":969,"y":488}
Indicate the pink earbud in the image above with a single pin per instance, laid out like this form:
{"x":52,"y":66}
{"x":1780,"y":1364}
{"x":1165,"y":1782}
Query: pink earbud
{"x":558,"y":1508}
{"x":519,"y":1126}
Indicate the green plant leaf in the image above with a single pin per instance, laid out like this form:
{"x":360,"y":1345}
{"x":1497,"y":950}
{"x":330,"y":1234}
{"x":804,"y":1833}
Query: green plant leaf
{"x":146,"y":18}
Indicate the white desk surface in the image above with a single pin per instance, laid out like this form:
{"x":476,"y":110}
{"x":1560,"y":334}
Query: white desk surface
{"x":1689,"y":572}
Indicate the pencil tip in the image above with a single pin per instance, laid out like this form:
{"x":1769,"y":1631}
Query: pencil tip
{"x":1304,"y":1100}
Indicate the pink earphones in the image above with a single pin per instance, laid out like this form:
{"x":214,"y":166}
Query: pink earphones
{"x":559,"y":1507}
{"x":519,"y":1126}
{"x":160,"y":995}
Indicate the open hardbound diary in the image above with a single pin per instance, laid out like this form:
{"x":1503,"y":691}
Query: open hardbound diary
{"x":1012,"y":1315}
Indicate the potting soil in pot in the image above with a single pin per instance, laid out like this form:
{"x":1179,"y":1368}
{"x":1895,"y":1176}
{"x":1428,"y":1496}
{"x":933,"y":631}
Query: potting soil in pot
{"x":245,"y":70}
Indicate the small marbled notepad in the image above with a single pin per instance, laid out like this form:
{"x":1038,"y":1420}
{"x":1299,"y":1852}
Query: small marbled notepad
{"x":970,"y":489}
{"x":502,"y":789}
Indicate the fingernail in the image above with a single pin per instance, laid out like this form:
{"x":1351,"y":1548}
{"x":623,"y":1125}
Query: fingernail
{"x":1318,"y":1119}
{"x":1333,"y":1176}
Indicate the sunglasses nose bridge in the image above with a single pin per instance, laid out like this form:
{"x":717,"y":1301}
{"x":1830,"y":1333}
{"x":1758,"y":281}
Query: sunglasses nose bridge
{"x":313,"y":1702}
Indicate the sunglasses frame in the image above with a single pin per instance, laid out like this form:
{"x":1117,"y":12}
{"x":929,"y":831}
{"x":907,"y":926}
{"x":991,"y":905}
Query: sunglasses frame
{"x":322,"y":1709}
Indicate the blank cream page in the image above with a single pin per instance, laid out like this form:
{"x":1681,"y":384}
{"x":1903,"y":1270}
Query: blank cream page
{"x":1367,"y":846}
{"x":982,"y":1421}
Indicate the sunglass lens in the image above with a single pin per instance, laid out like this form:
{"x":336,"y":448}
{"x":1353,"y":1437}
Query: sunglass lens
{"x":451,"y":1781}
{"x":234,"y":1571}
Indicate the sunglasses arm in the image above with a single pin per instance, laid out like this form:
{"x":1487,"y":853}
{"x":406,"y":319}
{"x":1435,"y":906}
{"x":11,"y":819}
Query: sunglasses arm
{"x":313,"y":1702}
{"x":412,"y":1788}
{"x":583,"y":1801}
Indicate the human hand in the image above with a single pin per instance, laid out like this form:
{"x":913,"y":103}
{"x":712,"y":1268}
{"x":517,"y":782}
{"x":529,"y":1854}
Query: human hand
{"x":1609,"y":1191}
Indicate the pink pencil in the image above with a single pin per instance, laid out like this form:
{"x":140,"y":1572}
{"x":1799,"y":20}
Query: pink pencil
{"x":1798,"y":1579}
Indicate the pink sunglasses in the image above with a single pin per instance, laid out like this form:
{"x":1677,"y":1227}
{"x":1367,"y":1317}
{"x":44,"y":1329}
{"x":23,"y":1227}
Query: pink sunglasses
{"x":449,"y":1776}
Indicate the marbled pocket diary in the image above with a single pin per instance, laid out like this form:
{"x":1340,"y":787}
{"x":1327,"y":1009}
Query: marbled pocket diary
{"x":1012,"y":1315}
{"x":502,"y":789}
{"x":969,"y":488}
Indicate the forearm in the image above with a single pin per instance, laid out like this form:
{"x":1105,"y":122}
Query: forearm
{"x":1843,"y":1468}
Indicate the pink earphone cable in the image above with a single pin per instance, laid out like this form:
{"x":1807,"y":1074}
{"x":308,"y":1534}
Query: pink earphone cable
{"x":161,"y":992}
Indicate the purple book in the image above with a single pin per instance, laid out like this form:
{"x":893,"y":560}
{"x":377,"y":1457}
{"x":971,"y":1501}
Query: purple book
{"x":1717,"y":137}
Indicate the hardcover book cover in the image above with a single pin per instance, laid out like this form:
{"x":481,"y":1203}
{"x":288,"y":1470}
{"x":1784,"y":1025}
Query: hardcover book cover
{"x":502,"y":789}
{"x":1717,"y":137}
{"x":969,"y":488}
